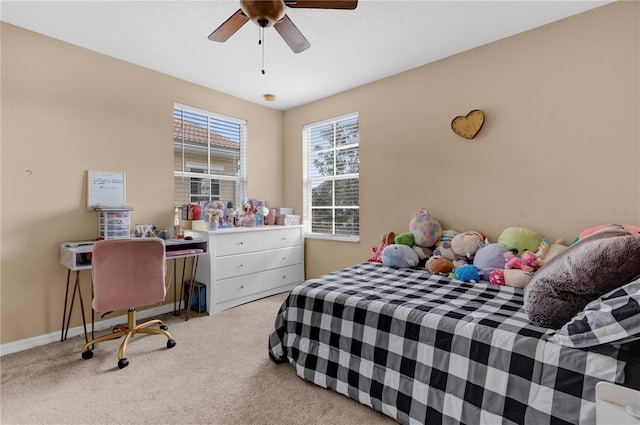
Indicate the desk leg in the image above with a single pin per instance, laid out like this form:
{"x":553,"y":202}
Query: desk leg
{"x":192,"y":283}
{"x":93,"y":315}
{"x":187,"y":307}
{"x":73,"y":298}
{"x":84,"y":320}
{"x":76,"y":288}
{"x":175,"y":286}
{"x":64,"y":312}
{"x":176,"y":311}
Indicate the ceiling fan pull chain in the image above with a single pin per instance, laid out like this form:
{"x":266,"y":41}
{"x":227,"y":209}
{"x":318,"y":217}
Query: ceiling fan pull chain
{"x":261,"y":42}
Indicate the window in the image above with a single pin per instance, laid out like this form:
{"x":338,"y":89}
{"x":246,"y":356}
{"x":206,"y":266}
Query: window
{"x":203,"y":189}
{"x":331,"y":178}
{"x":209,"y":153}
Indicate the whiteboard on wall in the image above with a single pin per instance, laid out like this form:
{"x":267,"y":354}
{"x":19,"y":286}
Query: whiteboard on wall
{"x":105,"y":187}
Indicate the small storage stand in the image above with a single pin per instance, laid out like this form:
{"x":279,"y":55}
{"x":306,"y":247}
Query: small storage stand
{"x":114,"y":221}
{"x":199,"y":299}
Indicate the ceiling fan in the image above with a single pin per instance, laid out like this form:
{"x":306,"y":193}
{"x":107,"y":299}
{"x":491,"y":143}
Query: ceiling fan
{"x":267,"y":13}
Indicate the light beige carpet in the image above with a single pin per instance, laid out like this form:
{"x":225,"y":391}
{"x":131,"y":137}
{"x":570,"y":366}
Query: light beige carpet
{"x":218,"y":373}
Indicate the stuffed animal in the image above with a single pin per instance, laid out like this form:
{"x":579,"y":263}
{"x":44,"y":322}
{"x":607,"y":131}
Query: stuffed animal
{"x":426,"y":229}
{"x":527,"y":261}
{"x":396,"y":255}
{"x":439,"y":265}
{"x":404,"y":239}
{"x":423,"y":253}
{"x":531,"y":259}
{"x":447,"y":236}
{"x":386,"y":239}
{"x":466,"y":273}
{"x":520,"y":239}
{"x":408,"y":240}
{"x":542,"y":251}
{"x":488,"y":257}
{"x":444,"y":250}
{"x":510,"y":277}
{"x":464,"y":245}
{"x":556,"y":248}
{"x":443,"y":246}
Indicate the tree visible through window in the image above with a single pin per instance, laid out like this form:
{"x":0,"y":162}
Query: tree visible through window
{"x":332,"y":189}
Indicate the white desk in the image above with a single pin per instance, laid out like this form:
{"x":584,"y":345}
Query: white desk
{"x":76,"y":256}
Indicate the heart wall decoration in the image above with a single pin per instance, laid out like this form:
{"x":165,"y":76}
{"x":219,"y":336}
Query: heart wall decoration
{"x":468,"y":126}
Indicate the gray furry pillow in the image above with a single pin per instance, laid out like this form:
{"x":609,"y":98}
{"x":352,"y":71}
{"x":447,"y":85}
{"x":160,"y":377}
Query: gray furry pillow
{"x":585,"y":271}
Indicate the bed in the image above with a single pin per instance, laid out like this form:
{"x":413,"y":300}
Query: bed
{"x":423,"y":348}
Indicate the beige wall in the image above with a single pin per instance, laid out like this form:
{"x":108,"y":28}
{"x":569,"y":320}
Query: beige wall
{"x":66,"y":110}
{"x":559,"y":150}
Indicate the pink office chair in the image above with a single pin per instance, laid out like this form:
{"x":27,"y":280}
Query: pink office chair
{"x":128,"y":273}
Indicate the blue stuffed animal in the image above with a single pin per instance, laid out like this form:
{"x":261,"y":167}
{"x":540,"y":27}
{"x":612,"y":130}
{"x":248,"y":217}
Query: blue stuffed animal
{"x":466,"y":273}
{"x":397,"y":255}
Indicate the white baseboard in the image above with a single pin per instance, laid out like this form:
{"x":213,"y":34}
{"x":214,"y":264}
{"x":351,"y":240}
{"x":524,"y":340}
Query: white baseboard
{"x":36,"y":341}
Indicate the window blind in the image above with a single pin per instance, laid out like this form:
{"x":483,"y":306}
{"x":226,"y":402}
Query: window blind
{"x":331,"y":177}
{"x":209,"y":156}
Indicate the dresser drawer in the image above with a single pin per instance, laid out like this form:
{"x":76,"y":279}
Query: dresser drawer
{"x":229,"y":289}
{"x":282,"y":238}
{"x":282,"y":276}
{"x":238,"y":243}
{"x":237,"y":265}
{"x":282,"y":257}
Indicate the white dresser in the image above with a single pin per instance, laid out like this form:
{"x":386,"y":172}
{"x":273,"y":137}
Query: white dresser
{"x":247,"y":263}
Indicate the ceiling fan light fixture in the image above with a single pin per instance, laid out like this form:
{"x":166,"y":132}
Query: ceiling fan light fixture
{"x":264,"y":13}
{"x":269,"y":97}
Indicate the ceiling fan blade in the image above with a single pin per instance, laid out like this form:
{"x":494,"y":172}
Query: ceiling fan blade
{"x":323,"y":4}
{"x":291,"y":35}
{"x":229,"y":27}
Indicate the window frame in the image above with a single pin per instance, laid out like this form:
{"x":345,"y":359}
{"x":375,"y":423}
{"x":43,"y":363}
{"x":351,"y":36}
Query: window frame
{"x":308,"y":180}
{"x":240,"y":180}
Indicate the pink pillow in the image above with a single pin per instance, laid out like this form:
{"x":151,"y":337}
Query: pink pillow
{"x":632,"y":230}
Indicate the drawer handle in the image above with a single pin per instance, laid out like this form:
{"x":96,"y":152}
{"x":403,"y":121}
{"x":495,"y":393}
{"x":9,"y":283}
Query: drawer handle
{"x":240,"y":243}
{"x":284,"y":258}
{"x":241,"y":265}
{"x":241,"y":286}
{"x":284,"y":238}
{"x":284,"y":276}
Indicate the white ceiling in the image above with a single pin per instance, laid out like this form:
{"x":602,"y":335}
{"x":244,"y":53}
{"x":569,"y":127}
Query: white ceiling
{"x":349,"y":48}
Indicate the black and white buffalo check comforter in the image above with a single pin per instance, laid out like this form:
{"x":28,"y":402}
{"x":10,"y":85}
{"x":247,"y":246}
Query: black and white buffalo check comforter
{"x":423,"y":349}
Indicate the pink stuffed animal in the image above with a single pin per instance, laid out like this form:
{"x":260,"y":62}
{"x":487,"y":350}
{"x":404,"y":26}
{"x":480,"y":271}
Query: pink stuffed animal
{"x":386,"y":239}
{"x":527,"y":262}
{"x":514,"y":277}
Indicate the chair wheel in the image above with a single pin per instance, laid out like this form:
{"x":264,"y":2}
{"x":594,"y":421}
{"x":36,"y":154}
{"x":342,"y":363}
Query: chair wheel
{"x":171,"y":343}
{"x":87,"y":354}
{"x":123,"y":363}
{"x":164,"y":327}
